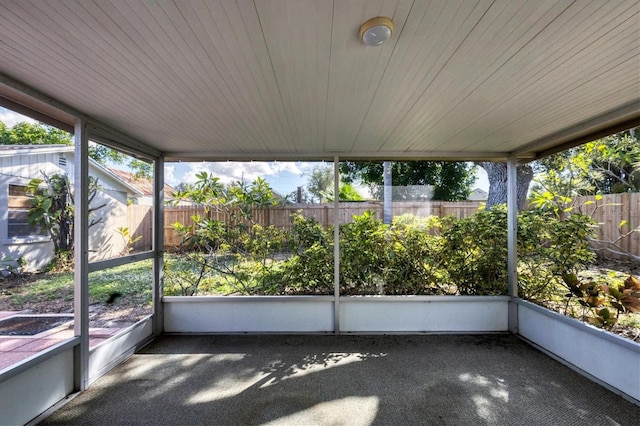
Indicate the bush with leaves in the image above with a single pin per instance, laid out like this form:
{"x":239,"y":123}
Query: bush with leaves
{"x":475,"y":249}
{"x":416,"y":264}
{"x":548,"y":248}
{"x":364,"y":255}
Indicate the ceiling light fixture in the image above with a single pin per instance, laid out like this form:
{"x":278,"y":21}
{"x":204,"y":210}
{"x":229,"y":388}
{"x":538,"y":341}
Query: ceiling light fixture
{"x":376,"y":31}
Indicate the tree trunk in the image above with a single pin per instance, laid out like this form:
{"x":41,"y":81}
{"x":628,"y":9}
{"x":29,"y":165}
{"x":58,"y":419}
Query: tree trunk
{"x":497,"y":174}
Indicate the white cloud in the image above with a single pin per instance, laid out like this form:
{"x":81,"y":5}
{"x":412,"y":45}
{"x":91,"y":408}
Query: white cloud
{"x":169,"y":176}
{"x":233,"y":171}
{"x":9,"y":118}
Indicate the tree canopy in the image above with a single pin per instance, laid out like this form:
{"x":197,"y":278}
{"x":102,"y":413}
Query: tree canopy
{"x":451,"y":181}
{"x":24,"y":133}
{"x":605,"y":166}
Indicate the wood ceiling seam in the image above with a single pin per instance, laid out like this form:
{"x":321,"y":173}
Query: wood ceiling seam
{"x":497,"y":62}
{"x":519,"y":92}
{"x":399,"y":23}
{"x":243,"y":72}
{"x":205,"y":109}
{"x":281,"y":71}
{"x":526,"y":40}
{"x":250,"y":19}
{"x":555,"y":126}
{"x":102,"y":52}
{"x":243,"y":104}
{"x":136,"y":24}
{"x":118,"y":42}
{"x":172,"y":13}
{"x":385,"y":138}
{"x":523,"y":94}
{"x":553,"y":111}
{"x":29,"y":45}
{"x":602,"y":96}
{"x":392,"y":96}
{"x":280,"y":94}
{"x":326,"y":110}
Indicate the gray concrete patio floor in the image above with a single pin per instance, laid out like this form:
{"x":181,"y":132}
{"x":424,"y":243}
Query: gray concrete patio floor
{"x":350,"y":380}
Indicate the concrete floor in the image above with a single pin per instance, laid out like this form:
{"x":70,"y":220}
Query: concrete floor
{"x":344,"y":380}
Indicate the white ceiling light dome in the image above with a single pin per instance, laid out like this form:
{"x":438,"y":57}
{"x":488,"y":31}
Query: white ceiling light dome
{"x":376,"y":31}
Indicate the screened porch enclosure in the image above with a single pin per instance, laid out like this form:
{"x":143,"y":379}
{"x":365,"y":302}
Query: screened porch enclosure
{"x":467,"y":80}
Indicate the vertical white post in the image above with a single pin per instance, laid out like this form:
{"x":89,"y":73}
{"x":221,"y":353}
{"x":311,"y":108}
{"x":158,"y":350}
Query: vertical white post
{"x":336,"y":244}
{"x":158,"y":246}
{"x":512,"y":240}
{"x":81,"y":255}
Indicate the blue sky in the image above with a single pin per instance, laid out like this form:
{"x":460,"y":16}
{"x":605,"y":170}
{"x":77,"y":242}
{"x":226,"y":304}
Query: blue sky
{"x":283,"y":177}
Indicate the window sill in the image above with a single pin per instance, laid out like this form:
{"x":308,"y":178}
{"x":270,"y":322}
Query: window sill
{"x":38,"y":239}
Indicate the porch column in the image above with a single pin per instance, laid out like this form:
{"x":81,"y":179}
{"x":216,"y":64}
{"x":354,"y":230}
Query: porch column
{"x":512,"y":239}
{"x":336,"y":245}
{"x":158,"y":246}
{"x":81,"y":255}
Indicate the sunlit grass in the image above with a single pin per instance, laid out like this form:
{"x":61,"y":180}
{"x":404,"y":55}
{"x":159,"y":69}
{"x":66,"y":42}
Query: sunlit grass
{"x":133,"y":282}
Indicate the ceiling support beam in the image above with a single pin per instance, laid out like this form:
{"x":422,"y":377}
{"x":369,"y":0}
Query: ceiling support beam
{"x":35,"y":114}
{"x":344,"y":156}
{"x":31,"y":102}
{"x":606,"y":124}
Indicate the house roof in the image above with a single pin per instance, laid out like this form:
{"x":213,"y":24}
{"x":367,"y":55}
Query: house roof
{"x":144,"y":185}
{"x":459,"y":79}
{"x":13,"y":150}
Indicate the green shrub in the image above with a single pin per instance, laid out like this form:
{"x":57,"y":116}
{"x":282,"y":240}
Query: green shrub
{"x":475,"y":252}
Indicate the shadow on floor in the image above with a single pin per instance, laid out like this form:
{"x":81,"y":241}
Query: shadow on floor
{"x":354,"y":380}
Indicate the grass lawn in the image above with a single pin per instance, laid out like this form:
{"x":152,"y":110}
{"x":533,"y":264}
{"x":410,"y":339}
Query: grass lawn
{"x":123,"y":290}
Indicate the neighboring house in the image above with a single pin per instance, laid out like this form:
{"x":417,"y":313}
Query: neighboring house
{"x":143,"y":185}
{"x":478,"y":195}
{"x":19,"y":164}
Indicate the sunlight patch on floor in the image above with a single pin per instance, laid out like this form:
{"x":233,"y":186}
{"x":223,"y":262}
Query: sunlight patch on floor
{"x":361,"y":411}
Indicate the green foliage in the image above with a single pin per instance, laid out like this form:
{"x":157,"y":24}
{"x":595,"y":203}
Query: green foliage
{"x":236,"y":255}
{"x":476,"y":252}
{"x":364,"y":251}
{"x":53,"y":210}
{"x":605,"y":166}
{"x":24,"y":133}
{"x":451,"y":180}
{"x":347,"y":193}
{"x":416,"y":264}
{"x":129,"y":240}
{"x":412,"y":256}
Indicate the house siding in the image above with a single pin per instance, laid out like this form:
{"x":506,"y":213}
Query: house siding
{"x":37,"y":251}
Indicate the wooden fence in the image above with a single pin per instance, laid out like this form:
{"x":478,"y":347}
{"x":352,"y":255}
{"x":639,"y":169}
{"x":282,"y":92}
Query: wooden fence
{"x":280,"y":216}
{"x":617,"y":215}
{"x":140,"y":224}
{"x":609,"y":212}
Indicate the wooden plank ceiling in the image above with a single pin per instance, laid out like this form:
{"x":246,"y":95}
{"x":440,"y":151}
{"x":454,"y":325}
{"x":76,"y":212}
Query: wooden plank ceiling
{"x":284,"y":79}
